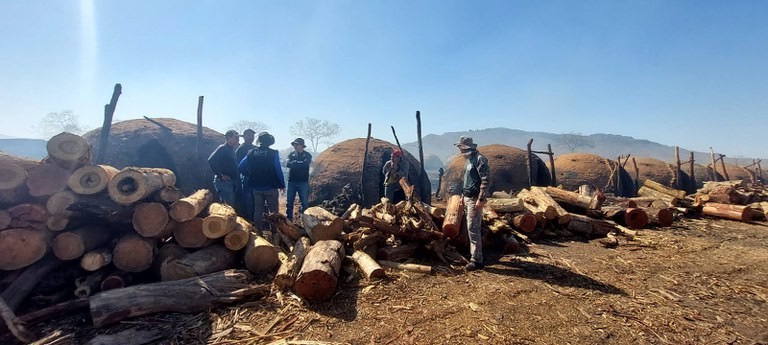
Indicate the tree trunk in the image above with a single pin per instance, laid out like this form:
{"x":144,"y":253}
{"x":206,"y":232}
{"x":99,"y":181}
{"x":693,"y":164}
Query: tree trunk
{"x":187,"y":208}
{"x":454,"y":214}
{"x":659,"y":216}
{"x":575,"y":199}
{"x":647,"y":192}
{"x":207,"y":260}
{"x":530,"y":203}
{"x":46,"y":179}
{"x":69,"y":151}
{"x":397,"y":253}
{"x":238,"y":238}
{"x":133,"y":184}
{"x":505,"y":205}
{"x":319,"y":274}
{"x":525,"y":222}
{"x":91,"y":179}
{"x":286,"y":274}
{"x":184,"y":296}
{"x":73,"y":244}
{"x":22,"y":247}
{"x":368,"y":265}
{"x":133,"y":253}
{"x":18,"y":291}
{"x":260,"y":255}
{"x":733,"y":212}
{"x":168,"y":195}
{"x":96,"y":259}
{"x":190,"y":234}
{"x":321,"y":225}
{"x":542,"y":198}
{"x":676,"y":193}
{"x":590,"y":227}
{"x":150,"y":219}
{"x":220,"y":221}
{"x":634,"y":218}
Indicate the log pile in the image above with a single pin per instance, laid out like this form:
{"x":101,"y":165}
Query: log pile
{"x":734,"y":200}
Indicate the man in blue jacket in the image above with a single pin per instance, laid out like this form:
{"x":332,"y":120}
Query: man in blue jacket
{"x":265,"y":177}
{"x":298,"y":176}
{"x":224,"y":166}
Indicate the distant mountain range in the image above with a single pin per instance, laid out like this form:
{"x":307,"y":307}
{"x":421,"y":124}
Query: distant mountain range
{"x":30,"y":148}
{"x":605,"y":145}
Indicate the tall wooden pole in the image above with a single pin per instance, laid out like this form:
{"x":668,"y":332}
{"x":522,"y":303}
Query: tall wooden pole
{"x":106,"y":127}
{"x":365,"y":166}
{"x":759,"y":171}
{"x":637,"y":174}
{"x":714,"y":164}
{"x":552,"y":166}
{"x":678,"y":182}
{"x":692,"y":188}
{"x":397,"y":141}
{"x":725,"y":171}
{"x":422,"y":172}
{"x":619,"y":191}
{"x":199,"y":141}
{"x":530,"y":163}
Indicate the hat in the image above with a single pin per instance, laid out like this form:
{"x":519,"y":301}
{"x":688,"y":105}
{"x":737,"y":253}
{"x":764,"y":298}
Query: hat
{"x":248,"y":131}
{"x":299,"y":141}
{"x":231,"y":133}
{"x":466,"y":143}
{"x":265,"y":139}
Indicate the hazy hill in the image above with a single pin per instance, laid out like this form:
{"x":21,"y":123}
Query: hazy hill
{"x":605,"y":145}
{"x":30,"y":148}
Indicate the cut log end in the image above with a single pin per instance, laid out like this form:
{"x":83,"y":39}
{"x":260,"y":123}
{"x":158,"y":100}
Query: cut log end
{"x":12,"y":175}
{"x":315,"y":285}
{"x":133,"y":253}
{"x":91,"y":179}
{"x":22,"y":247}
{"x":68,"y":246}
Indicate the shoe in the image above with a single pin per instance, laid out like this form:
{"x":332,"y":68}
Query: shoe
{"x":472,"y":266}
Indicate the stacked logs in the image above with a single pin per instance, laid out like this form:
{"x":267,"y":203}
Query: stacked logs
{"x":735,"y":200}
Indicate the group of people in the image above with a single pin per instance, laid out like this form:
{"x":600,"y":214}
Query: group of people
{"x":249,"y":176}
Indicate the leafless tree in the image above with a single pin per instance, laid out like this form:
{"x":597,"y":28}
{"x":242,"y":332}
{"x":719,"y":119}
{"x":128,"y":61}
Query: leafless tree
{"x":242,"y":125}
{"x":574,"y":140}
{"x":315,"y":131}
{"x":55,"y":123}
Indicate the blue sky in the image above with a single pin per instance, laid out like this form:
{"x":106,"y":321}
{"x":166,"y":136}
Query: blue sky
{"x":687,"y":73}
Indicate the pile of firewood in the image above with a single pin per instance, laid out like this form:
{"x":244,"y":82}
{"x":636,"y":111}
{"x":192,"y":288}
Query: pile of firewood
{"x":735,"y":200}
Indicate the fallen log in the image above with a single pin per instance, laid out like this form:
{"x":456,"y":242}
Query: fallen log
{"x":20,"y":248}
{"x":207,"y":260}
{"x":60,"y":309}
{"x":190,"y":234}
{"x":46,"y":179}
{"x":91,"y":179}
{"x":541,"y":197}
{"x":150,"y":219}
{"x":368,"y":265}
{"x":733,"y":212}
{"x":73,"y":244}
{"x":675,"y":193}
{"x":397,"y":253}
{"x":525,"y":222}
{"x":190,"y":207}
{"x":220,"y":220}
{"x":133,"y":184}
{"x":96,"y":259}
{"x":18,"y":291}
{"x":319,"y":274}
{"x":635,"y":218}
{"x":184,"y":296}
{"x":260,"y":256}
{"x":238,"y":238}
{"x":407,"y":267}
{"x":69,"y":151}
{"x":590,"y":227}
{"x":133,"y":253}
{"x":454,"y":214}
{"x":168,"y":195}
{"x":321,"y":224}
{"x":286,"y":274}
{"x":648,"y":192}
{"x":535,"y":206}
{"x":505,"y":205}
{"x":577,"y":200}
{"x":659,"y":216}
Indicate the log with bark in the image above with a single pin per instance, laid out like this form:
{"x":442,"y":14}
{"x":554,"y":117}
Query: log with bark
{"x":368,"y":265}
{"x":190,"y":234}
{"x":133,"y":184}
{"x":539,"y":194}
{"x":220,"y":221}
{"x":102,"y":208}
{"x":577,"y":200}
{"x":260,"y":256}
{"x":524,"y":222}
{"x":91,"y":179}
{"x":506,"y":205}
{"x":454,"y":215}
{"x":538,"y":209}
{"x":407,"y":267}
{"x":635,"y":218}
{"x":397,"y":253}
{"x":204,"y":261}
{"x":675,"y":193}
{"x":133,"y":253}
{"x":57,"y":206}
{"x":168,"y":195}
{"x":18,"y":291}
{"x":96,"y":259}
{"x":116,"y":280}
{"x":321,"y":224}
{"x":184,"y":296}
{"x":659,"y":216}
{"x":150,"y":219}
{"x":285,"y":226}
{"x":190,"y":207}
{"x":46,"y":179}
{"x":20,"y":248}
{"x":238,"y":238}
{"x":722,"y":193}
{"x":319,"y":274}
{"x":29,"y":216}
{"x":286,"y":274}
{"x":648,"y":192}
{"x":590,"y":227}
{"x":90,"y":284}
{"x":69,"y":151}
{"x":727,"y":211}
{"x":73,"y":244}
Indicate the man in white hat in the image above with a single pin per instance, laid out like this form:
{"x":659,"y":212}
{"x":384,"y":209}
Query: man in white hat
{"x":475,"y":189}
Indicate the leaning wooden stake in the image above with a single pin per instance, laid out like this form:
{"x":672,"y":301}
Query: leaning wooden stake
{"x":109,"y":112}
{"x":365,"y":165}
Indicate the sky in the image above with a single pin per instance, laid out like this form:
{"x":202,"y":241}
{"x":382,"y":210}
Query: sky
{"x":687,"y":73}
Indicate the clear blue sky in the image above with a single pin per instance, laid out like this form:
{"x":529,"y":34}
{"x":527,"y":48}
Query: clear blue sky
{"x":687,"y":73}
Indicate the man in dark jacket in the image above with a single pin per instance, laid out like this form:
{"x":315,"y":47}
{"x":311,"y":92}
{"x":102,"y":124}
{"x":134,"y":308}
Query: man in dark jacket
{"x":395,"y":169}
{"x":475,"y":189}
{"x":298,"y":177}
{"x":244,"y":200}
{"x":224,"y":166}
{"x":265,"y":177}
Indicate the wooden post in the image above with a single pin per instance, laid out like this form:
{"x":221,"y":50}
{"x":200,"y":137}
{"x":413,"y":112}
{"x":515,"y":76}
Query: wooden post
{"x":714,"y":164}
{"x":365,"y":165}
{"x":678,"y":182}
{"x":691,"y":175}
{"x":396,"y":140}
{"x":199,"y":140}
{"x":637,"y":174}
{"x":530,"y":163}
{"x":725,"y":171}
{"x":440,"y":173}
{"x":553,"y":181}
{"x":619,"y":191}
{"x":422,"y":171}
{"x":109,"y":111}
{"x":759,"y":171}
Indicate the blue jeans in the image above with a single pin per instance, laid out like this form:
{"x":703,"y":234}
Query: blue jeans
{"x":264,"y":201}
{"x":225,"y":190}
{"x":474,"y":228}
{"x":302,"y":188}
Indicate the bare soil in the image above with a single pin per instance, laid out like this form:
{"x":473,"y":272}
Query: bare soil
{"x":702,"y":281}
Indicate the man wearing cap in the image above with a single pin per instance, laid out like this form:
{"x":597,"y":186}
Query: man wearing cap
{"x":265,"y":177}
{"x":475,"y":189}
{"x":224,"y":166}
{"x":244,"y":200}
{"x":298,"y":176}
{"x":394,"y":169}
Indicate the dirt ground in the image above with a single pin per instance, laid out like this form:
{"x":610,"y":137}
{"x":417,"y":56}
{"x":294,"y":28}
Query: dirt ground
{"x":702,"y":281}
